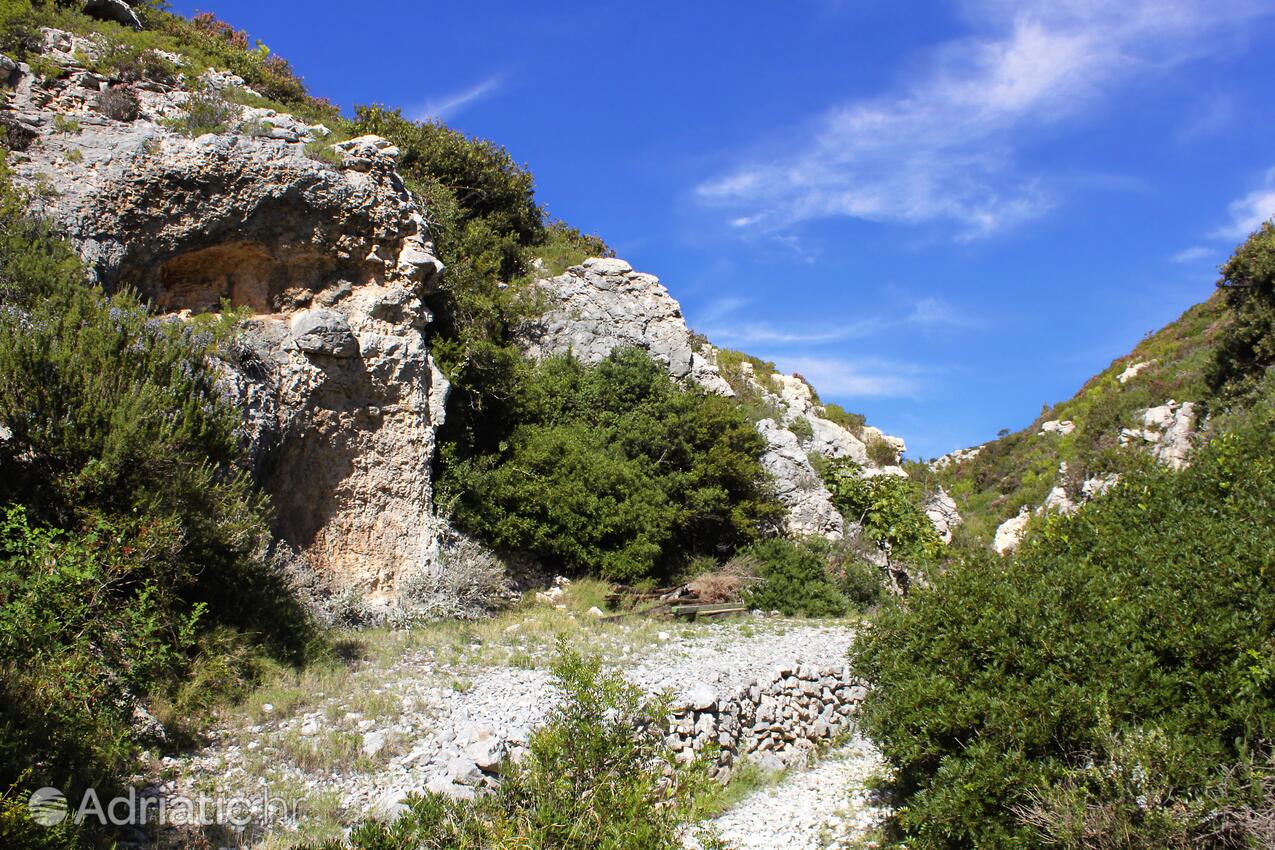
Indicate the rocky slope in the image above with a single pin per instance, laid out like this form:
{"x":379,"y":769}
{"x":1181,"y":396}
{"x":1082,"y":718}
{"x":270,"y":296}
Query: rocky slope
{"x":1152,"y":400}
{"x":326,"y":254}
{"x":603,"y":304}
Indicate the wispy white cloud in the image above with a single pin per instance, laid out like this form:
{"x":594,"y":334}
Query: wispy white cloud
{"x":945,"y":147}
{"x":723,"y":307}
{"x":765,"y":333}
{"x":1194,"y":254}
{"x":721,"y":323}
{"x":931,"y":313}
{"x":450,"y":105}
{"x":856,"y":377}
{"x":1249,"y":212}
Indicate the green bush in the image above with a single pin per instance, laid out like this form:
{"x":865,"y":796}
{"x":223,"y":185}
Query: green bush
{"x":1246,"y":345}
{"x":133,"y":542}
{"x":612,"y":469}
{"x":1138,"y":634}
{"x":207,"y":111}
{"x":795,"y":579}
{"x":888,"y":508}
{"x":597,"y":777}
{"x":852,"y":422}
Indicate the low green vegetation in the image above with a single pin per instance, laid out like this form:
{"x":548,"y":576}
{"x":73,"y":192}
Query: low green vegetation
{"x":810,"y":578}
{"x":852,"y":422}
{"x":597,"y":776}
{"x":613,"y":469}
{"x":751,"y":378}
{"x":132,"y":565}
{"x":1111,"y":686}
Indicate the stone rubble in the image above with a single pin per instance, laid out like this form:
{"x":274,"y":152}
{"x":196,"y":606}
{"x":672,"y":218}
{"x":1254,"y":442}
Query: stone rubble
{"x":828,"y":807}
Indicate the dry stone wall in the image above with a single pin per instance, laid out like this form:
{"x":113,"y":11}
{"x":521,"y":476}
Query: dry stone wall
{"x":776,"y":720}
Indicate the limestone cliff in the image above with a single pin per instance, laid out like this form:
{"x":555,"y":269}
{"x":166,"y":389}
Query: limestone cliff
{"x":328,"y":259}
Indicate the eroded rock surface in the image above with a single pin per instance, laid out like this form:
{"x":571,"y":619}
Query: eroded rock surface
{"x":798,"y":486}
{"x":1166,"y":432}
{"x":330,"y":262}
{"x":603,"y":304}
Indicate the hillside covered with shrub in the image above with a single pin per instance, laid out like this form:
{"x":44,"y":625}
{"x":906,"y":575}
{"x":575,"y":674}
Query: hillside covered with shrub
{"x":1112,"y":683}
{"x":1018,"y":470}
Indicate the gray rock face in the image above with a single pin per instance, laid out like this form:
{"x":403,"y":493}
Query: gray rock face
{"x":341,"y":395}
{"x":113,"y":10}
{"x":798,"y":486}
{"x":603,"y":304}
{"x":1166,"y":432}
{"x":941,"y":510}
{"x":323,"y":332}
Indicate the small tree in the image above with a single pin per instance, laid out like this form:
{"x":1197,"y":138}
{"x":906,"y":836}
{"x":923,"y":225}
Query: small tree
{"x":1246,"y":345}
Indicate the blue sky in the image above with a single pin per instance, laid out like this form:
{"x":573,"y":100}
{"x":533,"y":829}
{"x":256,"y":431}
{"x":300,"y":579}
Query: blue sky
{"x":943,"y":214}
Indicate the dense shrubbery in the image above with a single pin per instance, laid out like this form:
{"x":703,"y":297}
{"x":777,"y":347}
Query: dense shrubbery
{"x":809,"y":577}
{"x":1246,"y":346}
{"x":1111,"y":686}
{"x":795,"y":579}
{"x":133,"y":549}
{"x":597,"y":777}
{"x":613,"y":469}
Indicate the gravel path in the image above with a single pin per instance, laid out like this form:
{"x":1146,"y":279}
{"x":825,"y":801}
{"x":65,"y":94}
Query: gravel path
{"x":426,"y":718}
{"x":822,"y":808}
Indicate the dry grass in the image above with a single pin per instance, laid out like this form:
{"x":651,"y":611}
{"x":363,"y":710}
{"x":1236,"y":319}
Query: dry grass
{"x":718,"y":587}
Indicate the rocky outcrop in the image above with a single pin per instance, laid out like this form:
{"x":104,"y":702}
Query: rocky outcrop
{"x":1166,"y":432}
{"x":955,"y":458}
{"x":118,"y":11}
{"x":941,"y":510}
{"x":798,"y":486}
{"x":1133,"y":370}
{"x":1061,"y":427}
{"x":329,"y":261}
{"x":603,"y":304}
{"x":1010,"y":532}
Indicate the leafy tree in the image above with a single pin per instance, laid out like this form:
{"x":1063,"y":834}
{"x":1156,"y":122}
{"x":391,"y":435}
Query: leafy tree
{"x":1246,"y":345}
{"x":888,"y":509}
